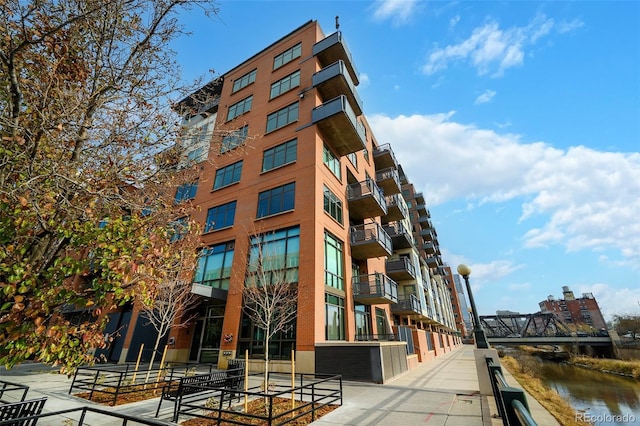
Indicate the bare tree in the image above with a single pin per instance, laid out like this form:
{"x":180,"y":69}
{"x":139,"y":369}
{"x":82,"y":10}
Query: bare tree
{"x":270,"y":294}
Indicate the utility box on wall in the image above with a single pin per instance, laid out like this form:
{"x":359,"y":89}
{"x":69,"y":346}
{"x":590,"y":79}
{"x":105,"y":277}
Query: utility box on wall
{"x":375,"y":362}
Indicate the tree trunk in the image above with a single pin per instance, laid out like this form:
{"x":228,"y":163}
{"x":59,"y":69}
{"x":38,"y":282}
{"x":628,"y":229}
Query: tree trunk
{"x":153,"y":356}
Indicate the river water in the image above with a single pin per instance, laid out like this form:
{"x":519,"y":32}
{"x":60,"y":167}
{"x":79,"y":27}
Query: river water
{"x":603,"y":399}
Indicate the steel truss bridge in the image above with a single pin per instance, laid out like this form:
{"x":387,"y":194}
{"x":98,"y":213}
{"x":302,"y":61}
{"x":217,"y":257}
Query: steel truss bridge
{"x":541,"y":328}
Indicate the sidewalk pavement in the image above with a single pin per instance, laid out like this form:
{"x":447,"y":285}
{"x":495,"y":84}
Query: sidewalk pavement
{"x":442,"y":392}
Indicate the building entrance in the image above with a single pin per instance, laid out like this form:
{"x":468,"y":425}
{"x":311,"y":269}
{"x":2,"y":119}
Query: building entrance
{"x":207,"y":335}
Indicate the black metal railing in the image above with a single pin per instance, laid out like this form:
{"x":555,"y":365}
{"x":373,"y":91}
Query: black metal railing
{"x":313,"y":392}
{"x":511,"y":402}
{"x":91,"y":415}
{"x":115,"y":380}
{"x":6,"y":387}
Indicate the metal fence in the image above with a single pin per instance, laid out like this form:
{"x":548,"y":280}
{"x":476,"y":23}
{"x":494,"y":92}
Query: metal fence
{"x":80,"y":415}
{"x":511,"y":402}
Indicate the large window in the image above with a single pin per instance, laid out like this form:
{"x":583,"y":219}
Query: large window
{"x":331,"y":161}
{"x":277,"y":253}
{"x":220,"y":216}
{"x":234,"y":139}
{"x":276,"y":200}
{"x":244,"y":81}
{"x":252,"y":339}
{"x":280,"y":155}
{"x":282,"y":117}
{"x":333,"y":262}
{"x":286,"y":84}
{"x":334,"y":317}
{"x":332,"y":205}
{"x":228,"y":175}
{"x":239,"y":108}
{"x":363,"y":322}
{"x":186,"y":191}
{"x":287,"y":56}
{"x":214,"y":266}
{"x":178,"y":229}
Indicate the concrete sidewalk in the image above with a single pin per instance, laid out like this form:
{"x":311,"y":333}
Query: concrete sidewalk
{"x":443,"y":391}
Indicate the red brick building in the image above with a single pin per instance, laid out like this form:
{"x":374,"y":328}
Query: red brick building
{"x":581,"y":311}
{"x":288,"y":161}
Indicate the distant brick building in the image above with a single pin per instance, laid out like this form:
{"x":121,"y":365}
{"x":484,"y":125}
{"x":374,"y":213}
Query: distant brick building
{"x":579,"y":311}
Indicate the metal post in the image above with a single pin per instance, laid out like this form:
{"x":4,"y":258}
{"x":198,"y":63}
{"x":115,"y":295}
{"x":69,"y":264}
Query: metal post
{"x":478,"y":332}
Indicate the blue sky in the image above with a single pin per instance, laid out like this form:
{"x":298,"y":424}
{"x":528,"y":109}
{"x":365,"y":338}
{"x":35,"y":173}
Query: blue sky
{"x":519,"y":121}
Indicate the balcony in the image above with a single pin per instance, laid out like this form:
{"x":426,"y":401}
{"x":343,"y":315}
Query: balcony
{"x":430,"y":248}
{"x":400,"y":236}
{"x":425,"y":222}
{"x":333,"y":81}
{"x":423,"y":211}
{"x":365,"y":200}
{"x":388,"y":180}
{"x":370,"y":240}
{"x":433,"y":261}
{"x":427,"y":234}
{"x":396,"y":208}
{"x":333,"y":48}
{"x":384,"y":157}
{"x":419,"y":198}
{"x":410,"y":306}
{"x":401,"y":269}
{"x":374,"y":289}
{"x":337,"y":121}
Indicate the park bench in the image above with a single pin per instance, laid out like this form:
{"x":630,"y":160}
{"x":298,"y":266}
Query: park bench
{"x":176,"y":390}
{"x":14,"y":411}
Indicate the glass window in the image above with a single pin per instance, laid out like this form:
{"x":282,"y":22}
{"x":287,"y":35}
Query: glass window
{"x":354,"y":159}
{"x":363,"y":322}
{"x":286,"y":84}
{"x":186,"y":191}
{"x":332,"y":205}
{"x":228,"y":175}
{"x":244,"y":81}
{"x":234,"y":139}
{"x":278,"y":254}
{"x":331,"y":161}
{"x":220,"y":216}
{"x":287,"y":56}
{"x":214,"y":266}
{"x":280,"y":155}
{"x":178,"y":229}
{"x":276,"y":200}
{"x":239,"y":108}
{"x":334,"y":317}
{"x":251,"y":338}
{"x":282,"y":117}
{"x":333,"y":262}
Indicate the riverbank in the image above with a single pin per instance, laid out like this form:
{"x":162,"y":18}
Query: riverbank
{"x":523,"y":371}
{"x":624,"y":368}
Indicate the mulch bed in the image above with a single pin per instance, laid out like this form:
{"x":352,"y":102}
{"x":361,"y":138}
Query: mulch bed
{"x":128,"y":394}
{"x":257,"y":406}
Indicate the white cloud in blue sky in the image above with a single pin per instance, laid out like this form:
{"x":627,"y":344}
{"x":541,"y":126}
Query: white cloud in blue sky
{"x":399,"y":11}
{"x":491,"y":49}
{"x":485,"y":97}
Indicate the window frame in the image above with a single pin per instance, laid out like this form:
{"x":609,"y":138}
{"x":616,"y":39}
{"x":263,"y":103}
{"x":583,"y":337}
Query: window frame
{"x":290,"y":147}
{"x":223,"y":209}
{"x":228,"y":172}
{"x":334,"y":278}
{"x":242,"y":82}
{"x":284,"y":80}
{"x":227,"y":249}
{"x":332,"y":205}
{"x":187,"y":191}
{"x":287,"y":56}
{"x":239,"y":108}
{"x":234,"y":139}
{"x":282,"y":114}
{"x":271,"y":195}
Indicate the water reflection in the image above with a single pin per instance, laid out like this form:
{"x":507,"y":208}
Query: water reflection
{"x":593,"y":392}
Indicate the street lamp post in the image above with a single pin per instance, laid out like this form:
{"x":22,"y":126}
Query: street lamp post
{"x":478,"y":332}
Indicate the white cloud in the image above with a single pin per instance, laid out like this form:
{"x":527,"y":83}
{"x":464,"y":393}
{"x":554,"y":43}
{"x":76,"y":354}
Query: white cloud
{"x":364,"y":80}
{"x":454,"y":21}
{"x":566,"y":27}
{"x":493,"y":49}
{"x":398,"y":10}
{"x":485,"y":97}
{"x":586,"y":199}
